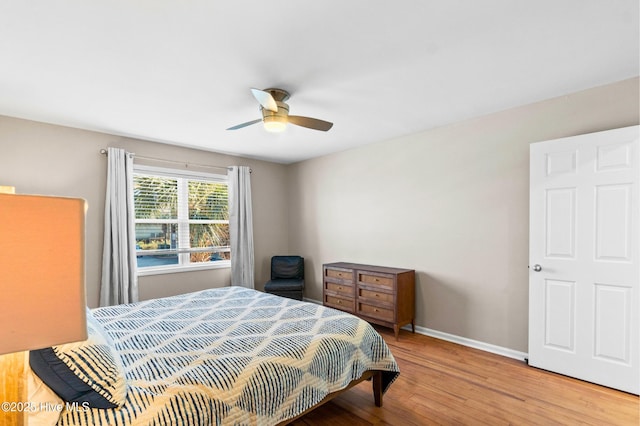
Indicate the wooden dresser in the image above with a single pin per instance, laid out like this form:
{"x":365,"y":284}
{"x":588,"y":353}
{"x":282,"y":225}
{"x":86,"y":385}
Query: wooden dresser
{"x":377,"y":294}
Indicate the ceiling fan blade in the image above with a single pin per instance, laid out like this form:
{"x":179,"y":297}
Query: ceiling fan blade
{"x":311,"y":123}
{"x":248,"y":123}
{"x":265,"y":99}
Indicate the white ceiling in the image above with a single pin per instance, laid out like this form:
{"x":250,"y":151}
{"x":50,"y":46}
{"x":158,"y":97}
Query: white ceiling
{"x":179,"y":72}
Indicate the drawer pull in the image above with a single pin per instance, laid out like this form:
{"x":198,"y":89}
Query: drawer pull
{"x":339,"y":288}
{"x":377,"y":295}
{"x":375,"y":309}
{"x":339,"y":302}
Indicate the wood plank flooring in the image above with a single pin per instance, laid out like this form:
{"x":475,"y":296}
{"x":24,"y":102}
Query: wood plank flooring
{"x":442,"y":383}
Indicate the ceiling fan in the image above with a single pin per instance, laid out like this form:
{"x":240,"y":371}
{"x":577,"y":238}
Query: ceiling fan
{"x":275,"y":113}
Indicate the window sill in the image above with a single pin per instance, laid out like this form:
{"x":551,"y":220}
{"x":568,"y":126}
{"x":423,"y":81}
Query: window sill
{"x":222,"y":264}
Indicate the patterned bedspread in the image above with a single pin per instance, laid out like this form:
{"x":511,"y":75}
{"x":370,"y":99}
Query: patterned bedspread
{"x":232,"y":356}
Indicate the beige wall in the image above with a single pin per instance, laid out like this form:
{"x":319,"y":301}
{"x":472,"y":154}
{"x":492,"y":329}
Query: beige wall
{"x":40,"y":158}
{"x":451,"y":203}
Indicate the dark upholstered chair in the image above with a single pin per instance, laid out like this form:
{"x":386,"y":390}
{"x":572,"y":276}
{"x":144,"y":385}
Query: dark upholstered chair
{"x":287,"y":277}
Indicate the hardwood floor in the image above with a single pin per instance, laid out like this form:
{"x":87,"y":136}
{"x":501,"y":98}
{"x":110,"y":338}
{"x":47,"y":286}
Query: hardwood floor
{"x":442,"y":383}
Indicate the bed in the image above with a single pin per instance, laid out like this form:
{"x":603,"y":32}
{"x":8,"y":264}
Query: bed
{"x":227,"y":356}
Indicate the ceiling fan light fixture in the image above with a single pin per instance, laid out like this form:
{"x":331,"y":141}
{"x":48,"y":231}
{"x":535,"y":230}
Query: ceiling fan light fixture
{"x":275,"y":113}
{"x":275,"y":124}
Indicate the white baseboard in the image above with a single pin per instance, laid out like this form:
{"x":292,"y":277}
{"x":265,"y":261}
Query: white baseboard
{"x":487,"y":347}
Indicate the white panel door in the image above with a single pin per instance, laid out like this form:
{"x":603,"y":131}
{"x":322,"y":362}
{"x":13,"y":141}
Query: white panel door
{"x":584,"y":295}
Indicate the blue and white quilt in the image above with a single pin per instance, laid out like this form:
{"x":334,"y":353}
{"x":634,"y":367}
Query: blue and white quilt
{"x":232,"y":356}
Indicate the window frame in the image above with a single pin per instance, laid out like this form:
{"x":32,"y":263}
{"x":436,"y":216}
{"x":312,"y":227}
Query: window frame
{"x":182,"y":176}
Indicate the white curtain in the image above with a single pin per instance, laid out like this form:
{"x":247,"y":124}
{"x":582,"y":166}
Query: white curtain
{"x":119,"y":279}
{"x":241,"y":227}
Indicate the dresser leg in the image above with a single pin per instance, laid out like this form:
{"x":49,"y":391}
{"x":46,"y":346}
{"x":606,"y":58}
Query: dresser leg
{"x":413,"y":325}
{"x":396,"y":331}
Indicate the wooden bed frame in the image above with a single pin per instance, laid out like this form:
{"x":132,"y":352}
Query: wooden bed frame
{"x":374,"y":375}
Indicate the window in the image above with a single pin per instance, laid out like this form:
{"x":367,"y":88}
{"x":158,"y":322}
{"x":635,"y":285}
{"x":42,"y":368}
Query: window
{"x":181,"y":220}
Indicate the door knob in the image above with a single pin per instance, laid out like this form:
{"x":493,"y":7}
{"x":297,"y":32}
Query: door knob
{"x":537,"y":268}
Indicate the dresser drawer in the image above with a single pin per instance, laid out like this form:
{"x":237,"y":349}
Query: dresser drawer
{"x":375,"y":295}
{"x":342,"y":303}
{"x":339,"y":288}
{"x":339,"y":274}
{"x":377,"y":279}
{"x":375,"y":312}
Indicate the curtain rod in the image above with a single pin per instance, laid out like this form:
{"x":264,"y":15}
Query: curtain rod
{"x":185,"y":163}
